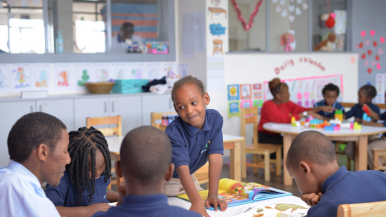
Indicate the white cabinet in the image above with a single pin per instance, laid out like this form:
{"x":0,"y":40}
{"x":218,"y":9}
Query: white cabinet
{"x":130,"y":110}
{"x":63,"y":109}
{"x":10,"y":112}
{"x":155,"y":103}
{"x":90,"y":107}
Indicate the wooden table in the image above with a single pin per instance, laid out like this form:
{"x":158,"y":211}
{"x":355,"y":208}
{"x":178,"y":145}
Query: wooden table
{"x":217,"y":10}
{"x":233,"y":143}
{"x":358,"y":136}
{"x":231,"y":211}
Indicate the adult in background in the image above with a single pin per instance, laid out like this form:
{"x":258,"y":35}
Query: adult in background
{"x":37,"y":146}
{"x":280,"y":110}
{"x":118,"y":42}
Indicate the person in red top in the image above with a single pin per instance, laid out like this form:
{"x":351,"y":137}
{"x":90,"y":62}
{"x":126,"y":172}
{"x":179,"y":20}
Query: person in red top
{"x":280,"y":110}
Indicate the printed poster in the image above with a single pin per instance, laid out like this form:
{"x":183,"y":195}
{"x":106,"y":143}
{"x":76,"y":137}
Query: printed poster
{"x":62,"y":77}
{"x":83,"y":73}
{"x":234,"y":109}
{"x":258,"y":103}
{"x":21,"y":77}
{"x":245,"y":91}
{"x":41,"y":76}
{"x":102,"y":72}
{"x":233,"y":92}
{"x":4,"y":78}
{"x":246,"y":104}
{"x":119,"y":71}
{"x":257,"y":91}
{"x":153,"y":70}
{"x":136,"y":70}
{"x":183,"y":70}
{"x":170,"y":70}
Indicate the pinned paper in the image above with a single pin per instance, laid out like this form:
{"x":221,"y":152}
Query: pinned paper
{"x":233,"y":109}
{"x":291,"y":18}
{"x":382,"y":40}
{"x":372,"y":32}
{"x":363,"y":56}
{"x":11,"y":2}
{"x":41,"y":76}
{"x":24,"y":3}
{"x":380,"y":51}
{"x":363,"y":34}
{"x":284,"y":13}
{"x":278,"y":8}
{"x":233,"y":92}
{"x":378,"y":66}
{"x":298,"y":11}
{"x":246,"y":104}
{"x":291,"y":8}
{"x":21,"y":78}
{"x":366,"y":63}
{"x":245,"y":91}
{"x":282,"y":2}
{"x":305,"y":6}
{"x":63,"y":77}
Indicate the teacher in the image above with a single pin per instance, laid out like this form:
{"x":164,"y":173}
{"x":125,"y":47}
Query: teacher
{"x":280,"y":110}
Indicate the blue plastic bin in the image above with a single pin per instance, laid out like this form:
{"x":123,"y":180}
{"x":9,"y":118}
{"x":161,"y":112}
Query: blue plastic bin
{"x":129,"y":85}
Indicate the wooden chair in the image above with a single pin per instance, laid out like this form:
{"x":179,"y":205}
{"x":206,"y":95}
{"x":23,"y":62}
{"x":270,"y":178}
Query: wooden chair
{"x":117,"y":131}
{"x":257,"y":148}
{"x":158,"y":116}
{"x":374,"y":209}
{"x":201,"y":174}
{"x":377,"y":154}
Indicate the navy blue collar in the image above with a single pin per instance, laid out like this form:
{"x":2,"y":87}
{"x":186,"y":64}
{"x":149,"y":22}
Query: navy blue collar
{"x":145,"y":200}
{"x":193,"y":130}
{"x":334,"y":178}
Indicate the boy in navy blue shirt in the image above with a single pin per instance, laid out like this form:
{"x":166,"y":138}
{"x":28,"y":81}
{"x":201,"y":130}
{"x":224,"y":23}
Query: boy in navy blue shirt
{"x":311,"y":161}
{"x":196,"y":136}
{"x":83,"y":187}
{"x":145,"y":164}
{"x":329,"y":105}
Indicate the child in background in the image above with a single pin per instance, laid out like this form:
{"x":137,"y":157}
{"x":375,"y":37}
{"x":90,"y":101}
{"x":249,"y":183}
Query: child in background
{"x":311,"y":161}
{"x":365,"y":94}
{"x":377,"y":144}
{"x":83,"y":188}
{"x":196,"y":136}
{"x":141,"y":192}
{"x":329,"y":105}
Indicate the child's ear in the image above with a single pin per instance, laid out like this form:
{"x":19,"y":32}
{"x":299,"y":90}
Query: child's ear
{"x":206,"y":98}
{"x":169,"y":172}
{"x":305,"y":168}
{"x":118,"y":170}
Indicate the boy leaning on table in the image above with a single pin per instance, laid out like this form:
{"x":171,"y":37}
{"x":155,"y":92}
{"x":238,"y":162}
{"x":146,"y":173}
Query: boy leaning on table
{"x":311,"y":161}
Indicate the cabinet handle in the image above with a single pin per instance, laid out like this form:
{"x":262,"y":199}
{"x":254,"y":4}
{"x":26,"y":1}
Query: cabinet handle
{"x":105,"y":107}
{"x":112,"y":106}
{"x":40,"y":107}
{"x":32,"y":109}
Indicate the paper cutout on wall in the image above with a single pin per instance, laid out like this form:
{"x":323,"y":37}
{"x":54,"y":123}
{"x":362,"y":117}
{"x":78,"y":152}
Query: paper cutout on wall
{"x":258,"y":103}
{"x":4,"y":78}
{"x":233,"y":109}
{"x":284,"y":13}
{"x":363,"y":34}
{"x":245,"y":91}
{"x":41,"y":76}
{"x":21,"y":77}
{"x":63,"y":77}
{"x":372,"y":32}
{"x":233,"y":92}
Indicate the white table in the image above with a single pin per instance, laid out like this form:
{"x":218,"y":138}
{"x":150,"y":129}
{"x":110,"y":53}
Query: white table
{"x":230,"y":142}
{"x":231,"y":211}
{"x":358,"y":136}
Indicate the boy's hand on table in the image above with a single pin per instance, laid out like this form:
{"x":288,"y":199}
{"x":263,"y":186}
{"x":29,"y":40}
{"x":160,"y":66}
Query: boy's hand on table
{"x":315,"y":115}
{"x":199,"y":208}
{"x":311,"y":199}
{"x":216,"y":202}
{"x":94,"y":208}
{"x":328,"y":109}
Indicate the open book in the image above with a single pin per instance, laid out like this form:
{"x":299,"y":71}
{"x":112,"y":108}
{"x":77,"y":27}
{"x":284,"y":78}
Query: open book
{"x":236,"y":193}
{"x":277,"y":209}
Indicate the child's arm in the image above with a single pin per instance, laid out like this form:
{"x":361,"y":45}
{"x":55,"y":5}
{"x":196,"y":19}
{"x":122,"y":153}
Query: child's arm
{"x":215,"y":166}
{"x":374,"y":115}
{"x":188,"y":185}
{"x":311,"y":199}
{"x":327,"y":109}
{"x":82,"y":211}
{"x":112,"y":196}
{"x":373,"y":124}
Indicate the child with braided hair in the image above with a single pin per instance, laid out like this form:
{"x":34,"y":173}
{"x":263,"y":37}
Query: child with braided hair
{"x":83,"y":188}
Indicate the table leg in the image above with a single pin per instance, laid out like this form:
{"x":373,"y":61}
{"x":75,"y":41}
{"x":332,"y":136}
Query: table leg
{"x":361,"y":154}
{"x":243,"y":162}
{"x":286,"y":145}
{"x":236,"y":162}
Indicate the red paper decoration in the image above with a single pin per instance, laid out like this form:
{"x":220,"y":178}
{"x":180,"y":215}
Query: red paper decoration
{"x":369,"y":70}
{"x":375,"y":43}
{"x":246,"y":26}
{"x":369,"y":52}
{"x":330,"y":22}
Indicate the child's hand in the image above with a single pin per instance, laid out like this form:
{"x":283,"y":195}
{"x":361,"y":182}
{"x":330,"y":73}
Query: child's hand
{"x":122,"y":192}
{"x":199,"y":208}
{"x":216,"y":203}
{"x":328,"y":109}
{"x":94,"y":208}
{"x":315,"y":115}
{"x":311,"y":199}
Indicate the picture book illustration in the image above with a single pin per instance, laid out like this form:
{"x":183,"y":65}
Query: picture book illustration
{"x":64,"y":79}
{"x":42,"y":80}
{"x":236,"y":193}
{"x":102,"y":75}
{"x":274,"y":210}
{"x":21,"y":78}
{"x":85,"y":77}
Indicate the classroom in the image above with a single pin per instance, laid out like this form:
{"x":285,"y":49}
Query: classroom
{"x":243,"y":108}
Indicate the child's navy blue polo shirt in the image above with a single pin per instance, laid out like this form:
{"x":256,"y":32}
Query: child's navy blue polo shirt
{"x":345,"y":187}
{"x":146,"y":205}
{"x":358,"y":112}
{"x":336,"y":105}
{"x":383,"y":118}
{"x":65,"y":193}
{"x":192,"y":146}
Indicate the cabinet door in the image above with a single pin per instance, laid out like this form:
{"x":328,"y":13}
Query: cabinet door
{"x":130,"y":110}
{"x":91,"y":107}
{"x":155,"y":103}
{"x":62,"y":109}
{"x":10,"y":112}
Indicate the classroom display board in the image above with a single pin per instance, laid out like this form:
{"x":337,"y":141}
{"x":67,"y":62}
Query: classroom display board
{"x":380,"y":85}
{"x":71,"y":77}
{"x":307,"y":91}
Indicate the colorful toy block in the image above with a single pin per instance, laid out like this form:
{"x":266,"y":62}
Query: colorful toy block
{"x":357,"y":126}
{"x":366,"y":118}
{"x":329,"y":128}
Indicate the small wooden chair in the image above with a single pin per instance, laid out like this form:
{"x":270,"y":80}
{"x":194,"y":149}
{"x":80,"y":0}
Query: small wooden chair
{"x":374,"y":209}
{"x":257,"y":148}
{"x":377,"y":154}
{"x":117,"y":131}
{"x":202,"y":174}
{"x":158,"y":116}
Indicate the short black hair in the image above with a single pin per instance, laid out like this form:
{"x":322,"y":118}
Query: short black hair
{"x":188,"y":80}
{"x":312,"y":146}
{"x":369,"y":90}
{"x":126,"y":25}
{"x":146,"y":154}
{"x":82,"y":143}
{"x":30,"y":131}
{"x":331,"y":87}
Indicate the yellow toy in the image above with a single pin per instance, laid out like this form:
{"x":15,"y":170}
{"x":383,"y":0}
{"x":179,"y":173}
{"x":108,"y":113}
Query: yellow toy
{"x":357,"y":126}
